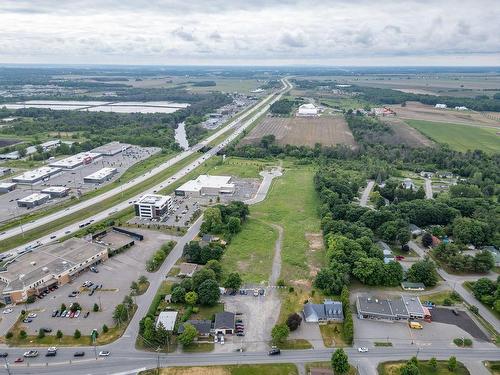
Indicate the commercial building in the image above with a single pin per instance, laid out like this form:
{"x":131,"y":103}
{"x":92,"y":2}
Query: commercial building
{"x":100,"y":176}
{"x":56,"y":191}
{"x":206,"y":185}
{"x":34,"y":272}
{"x":225,"y":323}
{"x":406,"y":285}
{"x":5,"y":171}
{"x":397,"y":308}
{"x":111,"y":148}
{"x":83,"y":158}
{"x":36,"y":175}
{"x":308,"y":110}
{"x":167,"y":319}
{"x":33,"y":200}
{"x":329,"y":311}
{"x":153,"y":206}
{"x":45,"y":146}
{"x":5,"y":187}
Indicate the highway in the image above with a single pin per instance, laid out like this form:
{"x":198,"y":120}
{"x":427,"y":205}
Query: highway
{"x":236,"y":124}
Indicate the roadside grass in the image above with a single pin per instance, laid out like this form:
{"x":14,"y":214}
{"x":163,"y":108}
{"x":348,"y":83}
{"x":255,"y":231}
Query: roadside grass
{"x":439,"y":297}
{"x":459,"y":137}
{"x":493,"y":367}
{"x":393,"y":368}
{"x":396,"y":250}
{"x":267,"y":369}
{"x":382,"y":344}
{"x":199,"y":347}
{"x":328,"y":365}
{"x":251,"y":252}
{"x":296,"y":344}
{"x":332,"y":335}
{"x":240,"y":167}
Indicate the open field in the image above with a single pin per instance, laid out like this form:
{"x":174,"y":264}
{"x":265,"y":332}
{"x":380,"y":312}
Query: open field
{"x":460,"y":137}
{"x":274,"y":369}
{"x":419,"y":111}
{"x":240,"y":167}
{"x":404,"y":134}
{"x":393,"y":368}
{"x":327,"y":130}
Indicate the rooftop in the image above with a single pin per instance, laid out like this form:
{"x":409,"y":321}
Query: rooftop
{"x":34,"y":198}
{"x":74,"y":160}
{"x":224,"y":319}
{"x":55,"y":189}
{"x":168,"y":319}
{"x":202,"y":326}
{"x":37,"y":173}
{"x":6,"y":185}
{"x":154,"y":199}
{"x":206,"y":181}
{"x":413,"y":305}
{"x":101,"y":173}
{"x":111,"y":148}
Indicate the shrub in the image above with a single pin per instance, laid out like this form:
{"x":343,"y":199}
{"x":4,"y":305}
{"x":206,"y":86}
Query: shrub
{"x":105,"y":328}
{"x":41,"y":333}
{"x":96,"y":307}
{"x":447,"y":302}
{"x":293,"y":321}
{"x":23,"y":335}
{"x":77,"y":334}
{"x":59,"y":334}
{"x":31,"y":299}
{"x":9,"y":335}
{"x":474,"y":309}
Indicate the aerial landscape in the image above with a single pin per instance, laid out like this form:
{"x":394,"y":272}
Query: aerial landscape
{"x":249,"y":188}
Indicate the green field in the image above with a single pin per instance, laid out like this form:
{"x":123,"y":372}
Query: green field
{"x":271,"y":369}
{"x":393,"y":368}
{"x":460,"y":137}
{"x":240,"y":167}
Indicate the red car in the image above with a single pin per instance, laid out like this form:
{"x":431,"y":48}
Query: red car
{"x":19,"y":360}
{"x":399,"y":257}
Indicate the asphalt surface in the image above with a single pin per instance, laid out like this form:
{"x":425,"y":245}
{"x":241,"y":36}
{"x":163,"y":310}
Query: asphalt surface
{"x":236,"y":124}
{"x":363,"y":202}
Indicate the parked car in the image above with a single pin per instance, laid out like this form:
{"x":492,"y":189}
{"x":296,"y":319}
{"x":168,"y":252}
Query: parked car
{"x":261,"y":292}
{"x":77,"y":313}
{"x":32,"y":315}
{"x":7,"y":311}
{"x":63,"y":314}
{"x":71,"y":314}
{"x":274,"y":351}
{"x":455,"y":312}
{"x":399,"y":257}
{"x":79,"y":354}
{"x":94,"y":269}
{"x":4,"y":354}
{"x":46,"y":330}
{"x":31,"y":354}
{"x":27,"y":320}
{"x":363,"y":349}
{"x":240,"y":334}
{"x":104,"y":353}
{"x":54,"y":313}
{"x":86,"y":314}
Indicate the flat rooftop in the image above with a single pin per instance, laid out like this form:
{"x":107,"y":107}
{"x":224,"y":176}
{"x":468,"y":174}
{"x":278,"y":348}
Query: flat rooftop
{"x":74,"y":160}
{"x":101,"y":173}
{"x":111,"y":148}
{"x":206,"y":181}
{"x":413,"y":305}
{"x":55,"y":189}
{"x":114,"y":240}
{"x":34,"y":198}
{"x":6,"y":185}
{"x":375,"y":305}
{"x":155,"y":199}
{"x":37,"y":173}
{"x":50,"y":259}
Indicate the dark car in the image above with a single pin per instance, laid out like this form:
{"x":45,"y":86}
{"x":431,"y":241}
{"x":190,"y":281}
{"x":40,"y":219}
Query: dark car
{"x":46,"y":330}
{"x":50,"y":354}
{"x":261,"y":292}
{"x":54,"y":313}
{"x":86,"y":314}
{"x":4,"y":354}
{"x":240,"y":334}
{"x":79,"y":354}
{"x":455,"y":312}
{"x":274,"y":351}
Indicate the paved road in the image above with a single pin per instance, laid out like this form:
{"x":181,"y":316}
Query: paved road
{"x":363,"y":202}
{"x":455,"y":283}
{"x":428,"y":189}
{"x":238,"y":125}
{"x":268,"y":177}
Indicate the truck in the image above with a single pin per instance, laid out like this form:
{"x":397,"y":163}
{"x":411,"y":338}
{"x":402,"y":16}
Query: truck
{"x":416,"y":325}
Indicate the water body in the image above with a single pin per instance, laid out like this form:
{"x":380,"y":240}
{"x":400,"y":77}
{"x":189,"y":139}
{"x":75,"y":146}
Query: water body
{"x":180,"y":136}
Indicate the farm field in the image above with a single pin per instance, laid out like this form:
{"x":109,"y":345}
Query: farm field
{"x":419,"y":111}
{"x":298,"y":131}
{"x":405,"y":134}
{"x":460,"y":137}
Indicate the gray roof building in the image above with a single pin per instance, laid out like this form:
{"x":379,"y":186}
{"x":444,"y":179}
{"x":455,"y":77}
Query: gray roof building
{"x":224,"y":322}
{"x":397,"y":308}
{"x":329,"y":311}
{"x":204,"y":327}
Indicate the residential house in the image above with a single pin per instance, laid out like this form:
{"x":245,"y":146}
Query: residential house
{"x":328,"y":311}
{"x":204,"y":327}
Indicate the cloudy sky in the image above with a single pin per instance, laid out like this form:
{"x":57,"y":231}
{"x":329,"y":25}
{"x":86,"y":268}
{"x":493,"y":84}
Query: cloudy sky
{"x":249,"y":32}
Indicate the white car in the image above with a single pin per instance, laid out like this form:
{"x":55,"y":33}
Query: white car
{"x":52,"y":349}
{"x":32,"y":315}
{"x":104,"y":353}
{"x":7,"y":311}
{"x":362,"y":349}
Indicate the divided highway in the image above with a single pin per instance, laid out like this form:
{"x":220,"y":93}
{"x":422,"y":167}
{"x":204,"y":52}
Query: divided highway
{"x":237,"y":124}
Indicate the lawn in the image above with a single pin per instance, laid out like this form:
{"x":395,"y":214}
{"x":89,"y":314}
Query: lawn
{"x":272,"y":369}
{"x":439,"y":297}
{"x":493,"y":366}
{"x":311,"y":365}
{"x":239,"y":167}
{"x":393,"y":368}
{"x":459,"y":137}
{"x":296,"y":344}
{"x":332,"y":335}
{"x":251,"y":252}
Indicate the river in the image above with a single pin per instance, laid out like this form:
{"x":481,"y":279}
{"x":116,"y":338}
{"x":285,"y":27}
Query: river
{"x":180,"y":136}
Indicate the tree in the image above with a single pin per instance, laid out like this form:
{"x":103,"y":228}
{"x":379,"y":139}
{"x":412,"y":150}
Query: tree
{"x":77,"y":334}
{"x":63,"y":307}
{"x":483,"y":287}
{"x":215,"y":266}
{"x":470,"y":231}
{"x":433,"y":363}
{"x":293,"y":321}
{"x":105,"y":328}
{"x":410,"y":368}
{"x":59,"y":334}
{"x":191,"y":298}
{"x":423,"y":271}
{"x":330,"y":281}
{"x":23,"y":334}
{"x":75,"y":306}
{"x":340,"y":362}
{"x":178,"y":294}
{"x":208,"y":293}
{"x":162,"y":336}
{"x":212,"y":220}
{"x":187,"y":337}
{"x":393,"y":274}
{"x":96,"y":307}
{"x":234,"y":225}
{"x":233,"y":281}
{"x":279,"y":333}
{"x":134,"y":287}
{"x":452,"y":363}
{"x":41,"y":333}
{"x":143,"y":279}
{"x":426,"y":239}
{"x":201,"y":276}
{"x":120,"y":314}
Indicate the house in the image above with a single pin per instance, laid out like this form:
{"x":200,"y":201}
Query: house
{"x":328,"y":311}
{"x":207,"y":239}
{"x":167,"y":319}
{"x":412,"y":286}
{"x":224,"y":323}
{"x":435,"y":241}
{"x":187,"y":269}
{"x":408,"y":183}
{"x":442,"y":106}
{"x":414,"y":230}
{"x":426,"y":174}
{"x":204,"y":327}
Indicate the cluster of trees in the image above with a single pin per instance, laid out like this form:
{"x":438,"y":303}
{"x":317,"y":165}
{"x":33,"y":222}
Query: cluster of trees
{"x":424,"y":271}
{"x":488,"y":292}
{"x":154,"y":336}
{"x":282,"y":107}
{"x":451,"y":254}
{"x":348,"y":324}
{"x":393,"y":191}
{"x":156,"y":260}
{"x":204,"y":84}
{"x":412,"y":366}
{"x":194,"y":253}
{"x":224,"y":219}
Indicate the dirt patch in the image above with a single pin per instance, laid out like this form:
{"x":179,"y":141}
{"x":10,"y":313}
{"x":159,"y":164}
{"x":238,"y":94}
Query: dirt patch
{"x":196,"y":371}
{"x":302,"y":283}
{"x":405,"y":134}
{"x":326,"y":130}
{"x":315,"y":241}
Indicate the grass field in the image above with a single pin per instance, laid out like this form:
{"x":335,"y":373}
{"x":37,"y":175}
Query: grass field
{"x":460,"y":137}
{"x":274,"y":369}
{"x":332,"y":335}
{"x":393,"y":368}
{"x":311,"y":365}
{"x":240,"y":167}
{"x":493,"y":367}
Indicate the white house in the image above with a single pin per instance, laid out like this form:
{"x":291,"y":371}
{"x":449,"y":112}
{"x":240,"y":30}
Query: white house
{"x":308,"y":110}
{"x":440,"y":106}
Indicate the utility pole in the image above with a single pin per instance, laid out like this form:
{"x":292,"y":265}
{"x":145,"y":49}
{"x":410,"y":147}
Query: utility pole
{"x":7,"y":366}
{"x":158,"y":361}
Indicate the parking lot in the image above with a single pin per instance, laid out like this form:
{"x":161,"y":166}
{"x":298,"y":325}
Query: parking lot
{"x":72,"y":179}
{"x":115,"y":275}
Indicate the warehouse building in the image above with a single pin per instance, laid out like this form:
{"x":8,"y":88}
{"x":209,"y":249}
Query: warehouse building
{"x":5,"y":187}
{"x":206,"y":185}
{"x":58,"y":264}
{"x":36,"y":175}
{"x":397,"y":308}
{"x":74,"y":161}
{"x":56,"y":191}
{"x":308,"y":110}
{"x":100,"y":176}
{"x":33,"y":200}
{"x":153,"y":206}
{"x":111,"y":148}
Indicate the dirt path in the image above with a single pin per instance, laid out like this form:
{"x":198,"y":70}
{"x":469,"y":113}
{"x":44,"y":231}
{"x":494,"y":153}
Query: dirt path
{"x":276,"y":268}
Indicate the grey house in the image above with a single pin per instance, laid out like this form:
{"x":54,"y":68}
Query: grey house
{"x":204,"y":327}
{"x":328,"y":311}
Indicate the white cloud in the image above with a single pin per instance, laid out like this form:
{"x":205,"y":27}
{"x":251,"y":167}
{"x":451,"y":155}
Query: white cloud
{"x":250,"y":32}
